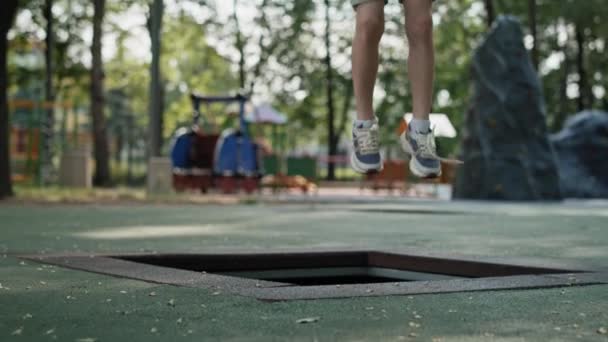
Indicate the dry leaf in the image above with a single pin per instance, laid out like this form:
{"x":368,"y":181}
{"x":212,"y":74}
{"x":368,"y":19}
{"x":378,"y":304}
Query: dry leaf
{"x":308,"y":320}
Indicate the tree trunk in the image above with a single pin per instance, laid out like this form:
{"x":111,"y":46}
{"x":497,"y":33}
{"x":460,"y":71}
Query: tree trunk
{"x":533,"y":31}
{"x":583,"y":84}
{"x":130,"y":141}
{"x":120,"y":143}
{"x":266,"y":50}
{"x":9,"y":10}
{"x":156,"y":93}
{"x":240,"y":46}
{"x":490,"y":13}
{"x":49,"y":124}
{"x":563,"y":95}
{"x":331,"y":135}
{"x":100,"y":139}
{"x":348,"y":97}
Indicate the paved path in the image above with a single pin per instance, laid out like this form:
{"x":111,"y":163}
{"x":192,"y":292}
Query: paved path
{"x":40,"y":302}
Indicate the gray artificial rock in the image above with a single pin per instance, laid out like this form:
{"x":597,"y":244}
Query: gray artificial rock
{"x":506,"y":150}
{"x":582,"y":153}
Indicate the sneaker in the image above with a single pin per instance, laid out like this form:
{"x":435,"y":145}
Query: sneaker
{"x":366,"y":152}
{"x":424,"y":162}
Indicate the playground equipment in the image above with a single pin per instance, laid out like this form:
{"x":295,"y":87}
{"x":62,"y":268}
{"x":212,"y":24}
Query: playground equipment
{"x":229,"y":161}
{"x":31,"y":140}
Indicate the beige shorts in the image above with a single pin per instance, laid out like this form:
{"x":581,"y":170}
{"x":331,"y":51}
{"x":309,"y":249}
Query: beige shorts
{"x":355,"y":3}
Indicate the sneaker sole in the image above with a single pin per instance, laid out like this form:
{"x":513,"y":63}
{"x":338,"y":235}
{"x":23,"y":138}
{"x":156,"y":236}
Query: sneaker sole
{"x":362,"y":168}
{"x":415,"y":167}
{"x":423,"y":172}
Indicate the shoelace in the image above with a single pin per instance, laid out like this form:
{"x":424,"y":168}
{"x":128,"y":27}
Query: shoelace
{"x":367,"y":140}
{"x":426,"y":146}
{"x":428,"y":149}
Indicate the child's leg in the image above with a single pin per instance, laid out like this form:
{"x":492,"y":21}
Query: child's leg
{"x":370,"y":26}
{"x":421,"y":61}
{"x":418,"y":140}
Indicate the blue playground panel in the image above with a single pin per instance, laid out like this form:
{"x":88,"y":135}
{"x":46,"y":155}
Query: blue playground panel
{"x":180,"y":153}
{"x":236,"y":155}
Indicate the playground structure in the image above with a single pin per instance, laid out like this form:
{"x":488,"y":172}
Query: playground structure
{"x":202,"y":159}
{"x":231,"y":161}
{"x":40,"y":131}
{"x":29,"y":132}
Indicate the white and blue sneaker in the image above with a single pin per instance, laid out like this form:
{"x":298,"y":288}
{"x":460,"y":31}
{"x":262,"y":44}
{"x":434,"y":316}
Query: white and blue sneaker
{"x":424,"y":162}
{"x":366,"y":153}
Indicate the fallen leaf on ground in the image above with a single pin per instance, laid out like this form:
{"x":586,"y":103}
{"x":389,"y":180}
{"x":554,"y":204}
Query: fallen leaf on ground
{"x":17,"y":332}
{"x":308,"y":320}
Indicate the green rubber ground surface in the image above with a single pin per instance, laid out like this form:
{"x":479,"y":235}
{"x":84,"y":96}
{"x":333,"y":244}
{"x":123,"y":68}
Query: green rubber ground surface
{"x":40,"y":303}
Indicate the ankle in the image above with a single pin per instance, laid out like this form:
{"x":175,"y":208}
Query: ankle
{"x":365,"y":117}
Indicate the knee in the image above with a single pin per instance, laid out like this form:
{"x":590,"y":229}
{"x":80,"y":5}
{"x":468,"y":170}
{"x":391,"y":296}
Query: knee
{"x":420,"y":29}
{"x":370,"y":27}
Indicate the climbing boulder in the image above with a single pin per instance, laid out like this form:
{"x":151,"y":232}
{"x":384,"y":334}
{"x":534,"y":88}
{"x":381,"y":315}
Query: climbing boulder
{"x":582,"y":155}
{"x":506,"y":150}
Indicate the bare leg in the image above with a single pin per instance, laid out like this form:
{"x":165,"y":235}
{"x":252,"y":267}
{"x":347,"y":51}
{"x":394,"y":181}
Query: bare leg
{"x":421,"y":61}
{"x":370,"y":26}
